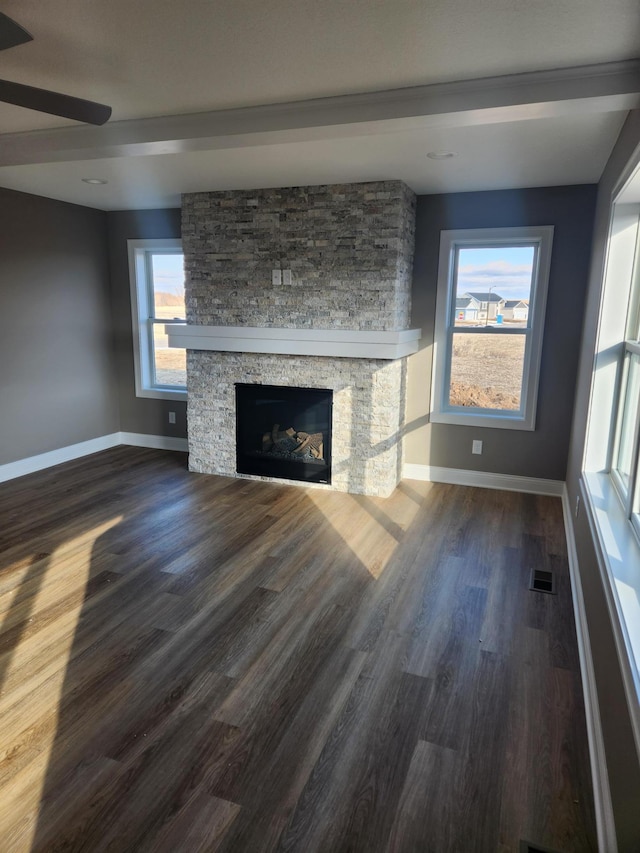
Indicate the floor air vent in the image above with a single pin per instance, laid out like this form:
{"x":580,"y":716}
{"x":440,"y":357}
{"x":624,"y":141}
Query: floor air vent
{"x":528,"y":847}
{"x":542,"y":580}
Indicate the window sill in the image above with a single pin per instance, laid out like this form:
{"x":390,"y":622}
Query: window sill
{"x":618,"y":553}
{"x":157,"y":394}
{"x":498,"y":421}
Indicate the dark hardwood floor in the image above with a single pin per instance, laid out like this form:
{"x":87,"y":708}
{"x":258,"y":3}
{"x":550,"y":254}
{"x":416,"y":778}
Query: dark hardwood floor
{"x":193,"y":663}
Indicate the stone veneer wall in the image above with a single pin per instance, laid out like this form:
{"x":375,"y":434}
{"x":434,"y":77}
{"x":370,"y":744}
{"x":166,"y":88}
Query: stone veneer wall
{"x":368,"y":412}
{"x":349,"y":247}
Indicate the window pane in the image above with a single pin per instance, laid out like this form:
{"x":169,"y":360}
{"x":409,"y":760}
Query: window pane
{"x":493,"y":286}
{"x":170,"y":364}
{"x":486,"y":370}
{"x":627,"y":418}
{"x":167,"y":271}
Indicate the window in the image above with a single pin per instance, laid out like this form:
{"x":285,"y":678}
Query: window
{"x":156,"y":269}
{"x":624,"y":462}
{"x":610,"y":481}
{"x":492,"y":288}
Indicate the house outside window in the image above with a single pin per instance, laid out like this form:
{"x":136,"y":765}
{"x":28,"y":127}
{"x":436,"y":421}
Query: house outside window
{"x":492,"y":288}
{"x":156,"y":270}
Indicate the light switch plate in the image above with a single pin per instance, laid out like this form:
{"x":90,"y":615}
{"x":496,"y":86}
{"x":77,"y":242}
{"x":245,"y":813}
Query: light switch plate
{"x":276,"y":277}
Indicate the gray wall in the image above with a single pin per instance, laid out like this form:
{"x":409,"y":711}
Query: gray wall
{"x":622,"y":760}
{"x":138,"y":414}
{"x":543,"y":452}
{"x":57,"y":382}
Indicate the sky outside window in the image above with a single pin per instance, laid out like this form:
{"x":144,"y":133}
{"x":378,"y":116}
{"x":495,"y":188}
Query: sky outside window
{"x":168,"y":275}
{"x":506,"y":270}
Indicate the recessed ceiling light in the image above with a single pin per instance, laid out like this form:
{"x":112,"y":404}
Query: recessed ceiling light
{"x":94,"y":181}
{"x":440,"y":155}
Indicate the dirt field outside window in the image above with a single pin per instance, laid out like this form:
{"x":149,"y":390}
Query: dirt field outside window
{"x":171,"y":364}
{"x":486,"y":371}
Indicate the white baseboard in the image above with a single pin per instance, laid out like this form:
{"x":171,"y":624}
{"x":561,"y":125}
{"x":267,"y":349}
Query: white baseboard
{"x":486,"y":480}
{"x":155,"y":442}
{"x":599,"y":775}
{"x":11,"y":470}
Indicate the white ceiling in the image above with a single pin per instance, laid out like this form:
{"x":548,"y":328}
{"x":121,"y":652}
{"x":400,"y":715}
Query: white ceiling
{"x":149,"y":58}
{"x":492,"y":156}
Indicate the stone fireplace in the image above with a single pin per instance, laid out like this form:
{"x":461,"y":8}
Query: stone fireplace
{"x":336,"y":320}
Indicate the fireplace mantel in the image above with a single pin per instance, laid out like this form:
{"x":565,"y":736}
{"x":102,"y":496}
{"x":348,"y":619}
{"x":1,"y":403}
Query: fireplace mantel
{"x":338,"y":343}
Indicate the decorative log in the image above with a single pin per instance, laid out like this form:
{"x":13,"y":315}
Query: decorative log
{"x":303,"y":444}
{"x":277,"y":434}
{"x":313,"y":442}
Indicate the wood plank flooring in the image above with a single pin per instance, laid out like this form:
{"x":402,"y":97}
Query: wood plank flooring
{"x":192,"y":663}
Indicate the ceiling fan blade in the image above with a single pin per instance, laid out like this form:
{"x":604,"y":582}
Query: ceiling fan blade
{"x":54,"y":103}
{"x":12,"y":34}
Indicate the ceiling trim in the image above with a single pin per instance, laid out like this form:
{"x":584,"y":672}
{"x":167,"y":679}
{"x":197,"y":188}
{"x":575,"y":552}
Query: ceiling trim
{"x":540,"y":94}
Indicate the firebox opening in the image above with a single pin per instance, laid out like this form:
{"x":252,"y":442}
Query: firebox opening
{"x":284,"y":432}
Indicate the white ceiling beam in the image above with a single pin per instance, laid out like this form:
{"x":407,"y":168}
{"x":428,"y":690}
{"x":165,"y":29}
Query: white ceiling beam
{"x":540,"y":94}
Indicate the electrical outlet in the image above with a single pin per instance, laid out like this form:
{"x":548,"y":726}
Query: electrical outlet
{"x":172,"y":417}
{"x":286,"y":277}
{"x":476,"y":446}
{"x":276,"y":277}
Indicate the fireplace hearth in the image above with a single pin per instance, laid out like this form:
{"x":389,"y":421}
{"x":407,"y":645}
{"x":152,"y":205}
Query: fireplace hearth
{"x":284,"y":432}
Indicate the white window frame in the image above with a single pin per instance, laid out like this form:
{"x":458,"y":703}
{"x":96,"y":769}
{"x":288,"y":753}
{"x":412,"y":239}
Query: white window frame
{"x":607,"y":500}
{"x":629,"y":273}
{"x":619,"y":314}
{"x":626,"y":491}
{"x":141,"y":285}
{"x":541,"y":238}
